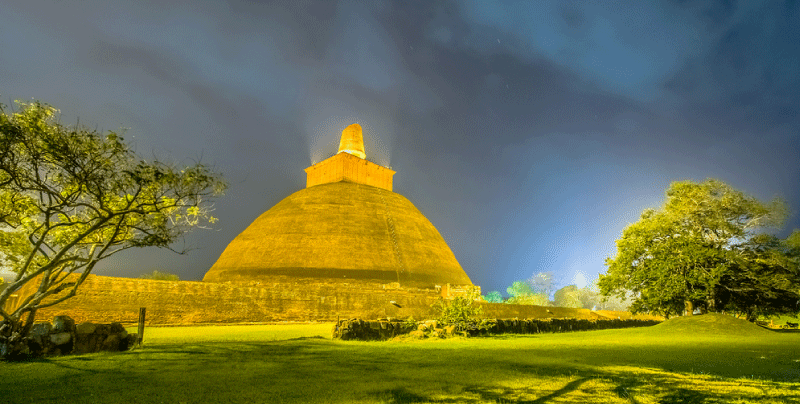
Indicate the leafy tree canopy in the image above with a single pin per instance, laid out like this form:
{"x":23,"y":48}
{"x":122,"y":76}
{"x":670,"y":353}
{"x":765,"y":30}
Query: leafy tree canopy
{"x":521,"y":293}
{"x":543,"y":283}
{"x":534,"y":291}
{"x":519,"y":288}
{"x":568,"y":296}
{"x":70,"y":197}
{"x":702,"y":249}
{"x":493,"y":297}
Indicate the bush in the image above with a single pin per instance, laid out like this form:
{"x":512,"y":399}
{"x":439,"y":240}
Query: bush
{"x":461,"y":312}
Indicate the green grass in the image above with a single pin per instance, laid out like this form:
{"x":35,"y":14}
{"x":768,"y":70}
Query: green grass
{"x":707,"y":359}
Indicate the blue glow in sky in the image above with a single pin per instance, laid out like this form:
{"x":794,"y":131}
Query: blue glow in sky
{"x":529,"y":132}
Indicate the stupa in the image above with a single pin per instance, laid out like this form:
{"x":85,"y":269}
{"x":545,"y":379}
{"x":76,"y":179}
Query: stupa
{"x":346,"y":226}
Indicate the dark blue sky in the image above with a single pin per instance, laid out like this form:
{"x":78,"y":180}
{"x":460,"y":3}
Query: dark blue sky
{"x":529,"y":132}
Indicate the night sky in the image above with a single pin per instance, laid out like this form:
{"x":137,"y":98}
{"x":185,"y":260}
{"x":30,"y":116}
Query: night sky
{"x":530,"y":133}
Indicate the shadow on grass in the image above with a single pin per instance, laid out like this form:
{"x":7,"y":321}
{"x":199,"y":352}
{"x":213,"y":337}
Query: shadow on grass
{"x":402,"y":395}
{"x":64,"y":362}
{"x":557,"y":384}
{"x":625,"y":387}
{"x":505,"y":396}
{"x":317,"y":337}
{"x":686,"y":396}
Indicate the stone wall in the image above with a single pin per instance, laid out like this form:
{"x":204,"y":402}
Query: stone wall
{"x":104,"y":299}
{"x":381,"y":330}
{"x":502,"y":310}
{"x":63,"y":337}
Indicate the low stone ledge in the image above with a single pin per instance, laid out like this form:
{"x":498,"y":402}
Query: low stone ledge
{"x":63,"y":337}
{"x":372,"y":330}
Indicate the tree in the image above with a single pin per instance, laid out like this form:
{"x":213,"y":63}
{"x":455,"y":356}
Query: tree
{"x":519,"y":288}
{"x":543,"y":283}
{"x":591,"y":298}
{"x":764,"y":279}
{"x":521,"y":293}
{"x":161,"y":276}
{"x":535,"y":291}
{"x":683,"y":255}
{"x":493,"y":297}
{"x":568,"y":296}
{"x":70,"y":197}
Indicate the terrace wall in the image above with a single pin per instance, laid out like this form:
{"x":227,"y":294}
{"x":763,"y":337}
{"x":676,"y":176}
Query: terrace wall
{"x":104,"y":299}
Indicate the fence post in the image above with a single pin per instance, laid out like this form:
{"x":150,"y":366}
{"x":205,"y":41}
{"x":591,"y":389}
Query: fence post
{"x":140,"y":335}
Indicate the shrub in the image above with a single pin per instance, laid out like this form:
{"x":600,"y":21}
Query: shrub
{"x":461,"y":312}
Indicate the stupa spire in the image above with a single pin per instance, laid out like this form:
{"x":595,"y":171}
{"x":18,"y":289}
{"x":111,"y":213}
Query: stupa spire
{"x":350,"y":164}
{"x":352,"y":141}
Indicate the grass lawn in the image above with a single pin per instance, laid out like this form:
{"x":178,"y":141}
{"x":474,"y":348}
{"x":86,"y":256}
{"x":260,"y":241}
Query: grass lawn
{"x":706,"y":359}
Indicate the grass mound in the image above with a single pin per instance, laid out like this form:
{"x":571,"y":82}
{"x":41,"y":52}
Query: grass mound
{"x":710,"y":323}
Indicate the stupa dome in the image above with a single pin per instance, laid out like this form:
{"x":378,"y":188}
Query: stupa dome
{"x":346,"y":226}
{"x":339,"y":232}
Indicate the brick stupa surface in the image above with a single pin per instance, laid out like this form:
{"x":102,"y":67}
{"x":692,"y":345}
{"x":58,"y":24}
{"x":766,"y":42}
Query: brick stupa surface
{"x":346,"y":226}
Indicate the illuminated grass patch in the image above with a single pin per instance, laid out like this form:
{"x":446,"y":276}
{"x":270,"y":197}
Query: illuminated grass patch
{"x":299,"y":363}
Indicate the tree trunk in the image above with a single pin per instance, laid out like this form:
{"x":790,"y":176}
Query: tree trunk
{"x":689,"y":308}
{"x":28,"y":323}
{"x":13,"y":337}
{"x":711,"y":302}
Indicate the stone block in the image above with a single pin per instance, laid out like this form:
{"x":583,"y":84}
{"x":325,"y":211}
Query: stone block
{"x":85,"y":328}
{"x":111,"y":343}
{"x":86,"y":343}
{"x":417,"y":334}
{"x":130,"y":340}
{"x":61,"y":338}
{"x":102,"y":329}
{"x":63,"y":324}
{"x":41,"y":329}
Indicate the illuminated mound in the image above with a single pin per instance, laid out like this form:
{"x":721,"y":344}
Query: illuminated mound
{"x":339,"y":232}
{"x":711,"y":323}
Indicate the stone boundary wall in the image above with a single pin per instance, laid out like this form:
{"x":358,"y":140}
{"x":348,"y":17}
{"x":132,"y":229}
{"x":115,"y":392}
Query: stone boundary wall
{"x":381,"y":330}
{"x":63,"y":337}
{"x":552,"y":325}
{"x":371,"y":330}
{"x":503,"y":310}
{"x":105,"y":299}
